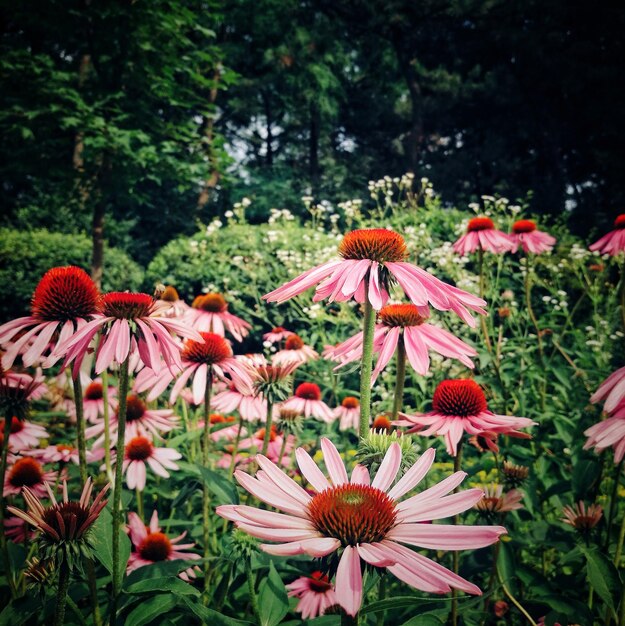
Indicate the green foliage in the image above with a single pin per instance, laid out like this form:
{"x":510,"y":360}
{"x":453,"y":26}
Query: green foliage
{"x":26,"y":255}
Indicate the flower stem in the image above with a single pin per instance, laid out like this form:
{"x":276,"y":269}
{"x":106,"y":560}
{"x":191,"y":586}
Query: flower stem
{"x":61,"y":594}
{"x":140,"y":504}
{"x":534,"y":319}
{"x":251,"y":589}
{"x":456,"y":554}
{"x":117,"y":493}
{"x":613,"y":498}
{"x":619,"y":547}
{"x":381,"y":596}
{"x":107,"y":421}
{"x":398,"y":400}
{"x":80,"y":428}
{"x":268,"y":423}
{"x":285,"y":438}
{"x":235,"y":448}
{"x":8,"y":420}
{"x":366,"y":364}
{"x":206,"y":500}
{"x":480,"y":259}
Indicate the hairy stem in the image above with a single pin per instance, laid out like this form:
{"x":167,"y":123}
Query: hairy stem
{"x":107,"y":422}
{"x":206,"y":500}
{"x":61,"y":594}
{"x":366,"y":365}
{"x":268,"y":423}
{"x":251,"y":587}
{"x":485,"y":332}
{"x":235,"y":448}
{"x":80,"y":429}
{"x":456,"y":554}
{"x":398,"y":400}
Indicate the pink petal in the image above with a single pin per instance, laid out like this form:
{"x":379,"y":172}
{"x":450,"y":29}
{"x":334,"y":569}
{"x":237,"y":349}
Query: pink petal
{"x":334,"y":463}
{"x":349,"y":581}
{"x":388,"y":468}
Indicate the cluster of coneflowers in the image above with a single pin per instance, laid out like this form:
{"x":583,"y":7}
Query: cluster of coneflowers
{"x":155,"y":345}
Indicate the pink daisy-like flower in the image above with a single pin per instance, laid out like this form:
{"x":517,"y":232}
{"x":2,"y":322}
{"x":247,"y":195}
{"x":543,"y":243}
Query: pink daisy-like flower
{"x":482,"y":234}
{"x":209,"y":314}
{"x":208,"y":357}
{"x":614,"y":242}
{"x":403,"y":322}
{"x":27,"y":472}
{"x":315,"y":593}
{"x":581,"y":517}
{"x":139,"y":421}
{"x":495,"y":501}
{"x":276,"y":442}
{"x":277,"y":334}
{"x":295,"y":351}
{"x":151,"y":545}
{"x":63,"y":453}
{"x":63,"y":302}
{"x":363,"y":519}
{"x":177,"y":307}
{"x":611,"y":391}
{"x":17,"y":391}
{"x":24,"y":435}
{"x":250,"y":407}
{"x":93,"y":400}
{"x":348,"y":413}
{"x":130,"y":322}
{"x":609,"y":433}
{"x":141,"y":450}
{"x":488,"y":440}
{"x":460,"y":406}
{"x":307,"y":401}
{"x":373,"y":257}
{"x":17,"y":530}
{"x":525,"y":234}
{"x":223,"y":432}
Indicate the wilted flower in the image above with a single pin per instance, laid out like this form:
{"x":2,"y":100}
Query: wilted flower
{"x":583,"y":518}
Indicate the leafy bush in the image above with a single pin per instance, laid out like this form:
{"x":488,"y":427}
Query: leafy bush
{"x":26,"y":255}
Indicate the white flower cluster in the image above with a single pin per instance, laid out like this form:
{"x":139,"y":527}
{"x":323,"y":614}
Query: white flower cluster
{"x":279,"y":215}
{"x":215,"y":225}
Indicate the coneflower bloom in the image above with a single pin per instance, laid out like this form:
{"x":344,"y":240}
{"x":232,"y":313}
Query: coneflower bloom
{"x":315,"y":593}
{"x":62,"y":453}
{"x":525,"y":234}
{"x":487,"y":440}
{"x":226,"y":432}
{"x":611,"y":391}
{"x":209,"y":314}
{"x":27,"y":472}
{"x":364,"y":520}
{"x":294,"y":351}
{"x":375,"y":257}
{"x":129,"y":323}
{"x":151,"y":545}
{"x":403,"y":322}
{"x":17,"y":531}
{"x":211,"y":356}
{"x":250,"y":407}
{"x":177,"y":306}
{"x":93,"y":400}
{"x":609,"y":433}
{"x":307,"y":401}
{"x":63,"y":524}
{"x":139,"y":420}
{"x":63,"y":302}
{"x":277,"y":334}
{"x":140,"y":451}
{"x":460,"y":406}
{"x":348,"y":413}
{"x":614,"y":242}
{"x":581,"y":517}
{"x":17,"y":391}
{"x":24,"y":435}
{"x":482,"y":234}
{"x":496,"y":501}
{"x":382,"y":423}
{"x":276,"y":445}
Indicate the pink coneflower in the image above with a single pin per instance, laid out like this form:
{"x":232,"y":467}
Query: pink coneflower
{"x":141,"y":450}
{"x":295,"y":351}
{"x":17,"y":391}
{"x":177,"y":306}
{"x":209,"y":314}
{"x":376,"y":257}
{"x":93,"y":400}
{"x":139,"y":421}
{"x":581,"y":517}
{"x":403,"y":322}
{"x":62,"y":453}
{"x":23,"y":435}
{"x":611,"y":390}
{"x":315,"y":593}
{"x":348,"y":413}
{"x":226,"y":432}
{"x":27,"y":472}
{"x":488,"y":440}
{"x":382,"y":423}
{"x":277,"y":334}
{"x":63,"y":302}
{"x":151,"y":545}
{"x":130,"y":322}
{"x":495,"y":501}
{"x":307,"y":401}
{"x":614,"y":242}
{"x":482,"y":235}
{"x":460,"y":406}
{"x":609,"y":433}
{"x":250,"y":407}
{"x":277,"y":445}
{"x":524,"y":234}
{"x":362,"y":519}
{"x":17,"y":531}
{"x":210,"y":356}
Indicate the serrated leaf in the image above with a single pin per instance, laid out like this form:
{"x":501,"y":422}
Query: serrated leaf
{"x":603,"y":576}
{"x":273,"y":602}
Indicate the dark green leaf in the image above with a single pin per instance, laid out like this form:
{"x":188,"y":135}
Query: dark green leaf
{"x":273,"y":602}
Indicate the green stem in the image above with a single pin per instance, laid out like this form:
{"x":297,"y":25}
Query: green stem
{"x":107,"y":422}
{"x":541,"y":353}
{"x":206,"y":501}
{"x":514,"y":601}
{"x":366,"y":364}
{"x":619,"y":547}
{"x":485,"y":333}
{"x":613,"y":497}
{"x":252,"y":590}
{"x":398,"y":400}
{"x":80,"y":428}
{"x":77,"y":612}
{"x":61,"y":594}
{"x":285,"y":438}
{"x":268,"y":423}
{"x":456,"y":554}
{"x":140,"y":504}
{"x":381,"y":596}
{"x":235,"y":449}
{"x":117,"y":493}
{"x":8,"y":420}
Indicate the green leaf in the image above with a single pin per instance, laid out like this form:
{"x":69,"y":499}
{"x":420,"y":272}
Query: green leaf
{"x":163,"y":584}
{"x":273,"y":603}
{"x":209,"y":616}
{"x":151,"y":609}
{"x":505,"y":564}
{"x":101,"y":538}
{"x":586,"y":473}
{"x":19,"y":611}
{"x":603,"y":576}
{"x":224,"y":491}
{"x":426,"y":619}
